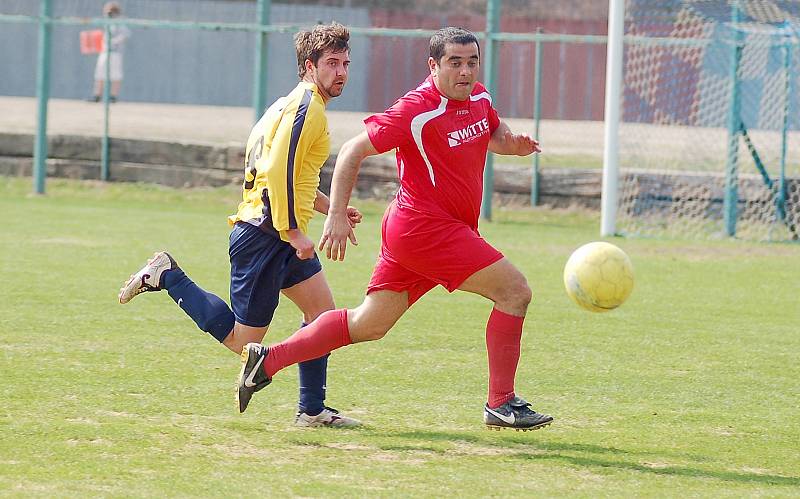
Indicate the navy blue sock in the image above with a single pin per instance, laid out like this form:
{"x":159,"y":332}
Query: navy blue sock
{"x":207,"y":310}
{"x":313,"y":377}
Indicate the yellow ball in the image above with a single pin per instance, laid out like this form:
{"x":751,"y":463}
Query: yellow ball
{"x":598,"y":276}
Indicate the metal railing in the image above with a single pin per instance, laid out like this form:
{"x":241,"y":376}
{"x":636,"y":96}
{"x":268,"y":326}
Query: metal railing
{"x":262,"y":28}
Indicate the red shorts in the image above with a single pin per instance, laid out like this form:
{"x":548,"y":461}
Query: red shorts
{"x":419,"y":251}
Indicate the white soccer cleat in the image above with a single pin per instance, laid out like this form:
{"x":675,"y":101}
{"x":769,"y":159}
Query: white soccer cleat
{"x":148,"y":278}
{"x":328,"y":417}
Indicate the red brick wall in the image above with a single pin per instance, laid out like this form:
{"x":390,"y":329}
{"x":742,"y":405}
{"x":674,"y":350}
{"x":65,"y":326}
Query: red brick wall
{"x":572,"y":85}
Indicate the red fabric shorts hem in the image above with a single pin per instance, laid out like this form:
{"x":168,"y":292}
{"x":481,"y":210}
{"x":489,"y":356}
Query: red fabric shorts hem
{"x":419,"y":252}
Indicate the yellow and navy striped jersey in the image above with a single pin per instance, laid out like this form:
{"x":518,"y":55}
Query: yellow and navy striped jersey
{"x":284,"y":155}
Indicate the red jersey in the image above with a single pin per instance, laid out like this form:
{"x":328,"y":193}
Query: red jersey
{"x":441,"y":149}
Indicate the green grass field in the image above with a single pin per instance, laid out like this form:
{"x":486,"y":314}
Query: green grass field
{"x":691,"y":388}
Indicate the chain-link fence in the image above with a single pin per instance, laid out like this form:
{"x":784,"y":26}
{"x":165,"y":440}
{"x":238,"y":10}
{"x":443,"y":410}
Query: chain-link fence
{"x":189,"y":75}
{"x":710,"y":132}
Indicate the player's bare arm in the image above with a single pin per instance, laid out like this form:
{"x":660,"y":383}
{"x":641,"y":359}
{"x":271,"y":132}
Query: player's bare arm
{"x":322,"y":204}
{"x":337,"y":228}
{"x":300,"y":242}
{"x":506,"y":142}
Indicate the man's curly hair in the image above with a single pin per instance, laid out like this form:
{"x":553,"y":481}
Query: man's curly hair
{"x":311,"y":44}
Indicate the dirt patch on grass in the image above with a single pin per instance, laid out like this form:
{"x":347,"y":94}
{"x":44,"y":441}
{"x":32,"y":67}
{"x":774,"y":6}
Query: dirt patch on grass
{"x":656,"y":465}
{"x":347,"y":446}
{"x":469,"y":449}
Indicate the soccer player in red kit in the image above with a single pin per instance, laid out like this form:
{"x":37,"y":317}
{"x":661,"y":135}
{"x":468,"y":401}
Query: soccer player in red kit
{"x":441,"y":131}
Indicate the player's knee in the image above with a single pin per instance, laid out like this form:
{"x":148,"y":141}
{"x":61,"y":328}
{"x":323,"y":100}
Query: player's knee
{"x":367,"y":331}
{"x":365,"y":328}
{"x":516,"y":294}
{"x":219,"y":326}
{"x":217,"y":319}
{"x":522,"y":296}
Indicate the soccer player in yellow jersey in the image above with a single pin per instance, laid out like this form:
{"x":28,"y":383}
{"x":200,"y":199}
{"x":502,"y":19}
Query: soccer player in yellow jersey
{"x":270,"y":251}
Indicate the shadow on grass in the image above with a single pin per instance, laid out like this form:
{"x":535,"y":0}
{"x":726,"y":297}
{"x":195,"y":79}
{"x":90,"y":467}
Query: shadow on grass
{"x":730,"y":476}
{"x":515,"y":439}
{"x":555,"y":451}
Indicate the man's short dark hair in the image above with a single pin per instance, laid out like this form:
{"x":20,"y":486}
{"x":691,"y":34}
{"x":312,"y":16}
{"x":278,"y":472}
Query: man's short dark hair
{"x":447,"y":35}
{"x":311,"y":44}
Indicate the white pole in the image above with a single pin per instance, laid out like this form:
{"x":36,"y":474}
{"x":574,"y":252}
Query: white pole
{"x":616,"y":30}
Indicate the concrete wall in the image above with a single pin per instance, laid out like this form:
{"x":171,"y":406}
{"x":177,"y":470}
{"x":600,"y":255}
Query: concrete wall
{"x":195,"y":165}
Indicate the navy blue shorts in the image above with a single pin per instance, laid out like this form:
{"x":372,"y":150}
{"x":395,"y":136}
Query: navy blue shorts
{"x":261,"y":266}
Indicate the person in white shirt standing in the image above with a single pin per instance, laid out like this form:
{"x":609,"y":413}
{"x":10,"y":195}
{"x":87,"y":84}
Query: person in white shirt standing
{"x":119,"y":34}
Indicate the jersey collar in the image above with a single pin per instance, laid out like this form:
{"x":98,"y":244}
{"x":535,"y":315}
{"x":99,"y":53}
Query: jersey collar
{"x":451,"y":103}
{"x":313,"y":87}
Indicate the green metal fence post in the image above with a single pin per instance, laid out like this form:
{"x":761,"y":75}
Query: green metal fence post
{"x":42,"y":96}
{"x":537,"y":115}
{"x":263,"y":8}
{"x":490,"y":59}
{"x":780,"y":202}
{"x":731,"y":198}
{"x":104,"y":145}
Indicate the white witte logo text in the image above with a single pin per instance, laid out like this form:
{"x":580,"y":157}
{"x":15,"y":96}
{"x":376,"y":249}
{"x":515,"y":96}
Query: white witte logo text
{"x":468,"y":133}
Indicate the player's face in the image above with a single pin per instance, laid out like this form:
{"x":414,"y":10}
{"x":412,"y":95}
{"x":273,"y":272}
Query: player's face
{"x":330,"y":73}
{"x":457,"y":71}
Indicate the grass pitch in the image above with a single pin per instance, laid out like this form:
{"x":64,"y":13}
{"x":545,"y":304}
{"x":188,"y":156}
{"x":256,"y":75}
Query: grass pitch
{"x":689,"y":389}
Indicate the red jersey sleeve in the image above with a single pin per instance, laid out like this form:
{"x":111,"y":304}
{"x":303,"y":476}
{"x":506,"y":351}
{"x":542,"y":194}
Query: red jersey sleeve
{"x":494,"y":119}
{"x":390,"y":129}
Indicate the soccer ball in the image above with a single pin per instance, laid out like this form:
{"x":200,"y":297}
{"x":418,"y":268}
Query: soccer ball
{"x":598,"y":276}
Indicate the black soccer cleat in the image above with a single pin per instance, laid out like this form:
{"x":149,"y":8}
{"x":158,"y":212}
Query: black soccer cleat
{"x":252,"y":377}
{"x":515,"y":413}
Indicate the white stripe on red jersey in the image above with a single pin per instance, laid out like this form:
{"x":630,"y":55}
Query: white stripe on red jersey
{"x":441,"y":149}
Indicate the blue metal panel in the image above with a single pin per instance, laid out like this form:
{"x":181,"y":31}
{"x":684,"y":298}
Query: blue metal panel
{"x":172,"y":65}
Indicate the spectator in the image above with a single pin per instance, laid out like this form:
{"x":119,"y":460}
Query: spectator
{"x":119,"y":34}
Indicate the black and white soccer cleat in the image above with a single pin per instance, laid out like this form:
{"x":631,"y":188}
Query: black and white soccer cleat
{"x":517,"y":414}
{"x":252,"y":377}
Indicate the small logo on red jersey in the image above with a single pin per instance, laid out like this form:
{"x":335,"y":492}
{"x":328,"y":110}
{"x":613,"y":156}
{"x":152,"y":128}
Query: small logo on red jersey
{"x":468,"y":133}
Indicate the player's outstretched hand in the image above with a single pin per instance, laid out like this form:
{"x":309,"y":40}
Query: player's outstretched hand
{"x":354,"y":216}
{"x":521,"y":144}
{"x":301,"y":243}
{"x":335,"y":234}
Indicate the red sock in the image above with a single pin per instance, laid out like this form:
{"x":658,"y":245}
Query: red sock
{"x":328,"y":332}
{"x":503,"y":334}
